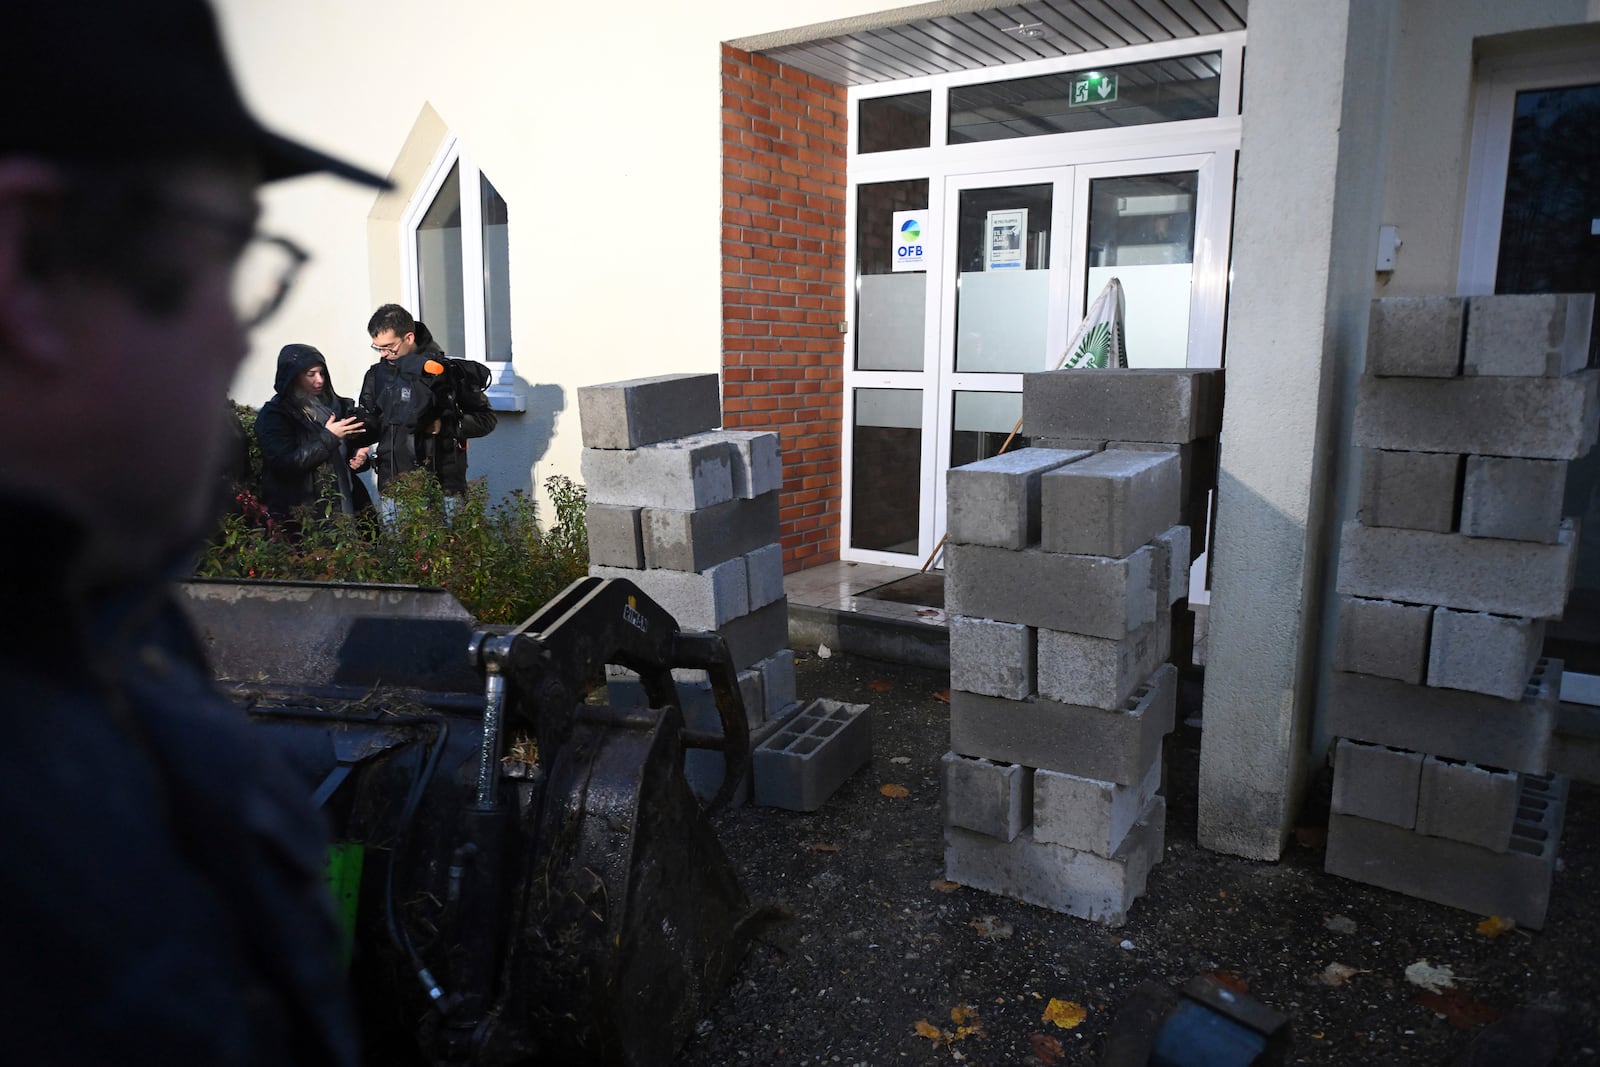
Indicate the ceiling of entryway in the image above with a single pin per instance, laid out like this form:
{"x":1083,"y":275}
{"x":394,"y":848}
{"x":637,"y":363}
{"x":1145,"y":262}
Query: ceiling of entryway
{"x":993,"y":37}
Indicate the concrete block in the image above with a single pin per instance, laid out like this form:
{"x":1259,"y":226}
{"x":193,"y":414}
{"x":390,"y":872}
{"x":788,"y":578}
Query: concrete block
{"x":764,"y":572}
{"x":1087,"y":814}
{"x":1514,"y":734}
{"x":753,"y":637}
{"x":677,"y":540}
{"x":1529,"y":418}
{"x":1465,"y":802}
{"x":658,"y":476}
{"x":777,"y":681}
{"x":1376,"y":783}
{"x":1094,"y":595}
{"x":757,"y":458}
{"x":1383,"y":638}
{"x":1071,"y":444}
{"x":985,"y":797}
{"x":800,"y":765}
{"x":615,"y":535}
{"x":1517,"y":499}
{"x":1411,"y":490}
{"x":1455,"y":571}
{"x":643,"y":411}
{"x":1483,"y":653}
{"x":1171,"y":566}
{"x":1110,"y":503}
{"x":1168,"y":404}
{"x":992,"y":658}
{"x":1100,"y":672}
{"x":1575,"y":748}
{"x":1195,"y":459}
{"x":695,"y":696}
{"x":703,"y":600}
{"x":1416,"y":336}
{"x":1514,"y":883}
{"x":1098,"y":888}
{"x":995,"y":501}
{"x":1536,"y":335}
{"x":1114,"y":746}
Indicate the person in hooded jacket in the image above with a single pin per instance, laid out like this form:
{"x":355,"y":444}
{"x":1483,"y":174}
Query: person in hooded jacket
{"x":310,"y":438}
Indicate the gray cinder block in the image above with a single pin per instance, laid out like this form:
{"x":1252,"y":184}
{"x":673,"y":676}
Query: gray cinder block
{"x":777,"y":681}
{"x":1168,"y":404}
{"x":1455,"y":571}
{"x":800,"y":765}
{"x":1383,"y":638}
{"x":992,"y":658}
{"x":1376,"y":782}
{"x":1416,"y":336}
{"x":1412,"y":490}
{"x":1516,"y":499}
{"x":643,"y":411}
{"x":1465,"y":802}
{"x":1537,"y":335}
{"x":1483,"y":653}
{"x":1066,"y":880}
{"x":754,"y":636}
{"x":678,"y":540}
{"x":764,"y":572}
{"x":1110,"y":503}
{"x":1087,"y":814}
{"x":987,"y":797}
{"x":1114,"y":746}
{"x":1071,"y":444}
{"x":1171,"y":566}
{"x":1100,"y":672}
{"x":995,"y":501}
{"x":1079,"y":594}
{"x":658,"y":476}
{"x":1514,"y":734}
{"x":1529,"y":418}
{"x":615,"y":535}
{"x":1514,"y":883}
{"x":1575,"y":748}
{"x":756,"y":456}
{"x":703,"y":600}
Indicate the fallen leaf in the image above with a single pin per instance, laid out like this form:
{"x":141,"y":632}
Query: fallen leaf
{"x":1222,"y":894}
{"x":1337,"y":974}
{"x":1046,"y":1049}
{"x":992,"y":926}
{"x":961,"y":1014}
{"x":1340,"y":924}
{"x":819,"y":846}
{"x":928,"y":613}
{"x":1458,"y":1009}
{"x":926,"y":1029}
{"x":892,"y":790}
{"x":942,"y":696}
{"x":880,"y":685}
{"x":899,"y":759}
{"x":1064,"y":1013}
{"x":1433,"y":979}
{"x":1231,"y":981}
{"x":1495,"y":925}
{"x":943,"y":886}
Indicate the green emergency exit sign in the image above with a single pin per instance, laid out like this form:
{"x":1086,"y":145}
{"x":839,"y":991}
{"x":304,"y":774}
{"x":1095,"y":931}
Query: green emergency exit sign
{"x":1094,"y":89}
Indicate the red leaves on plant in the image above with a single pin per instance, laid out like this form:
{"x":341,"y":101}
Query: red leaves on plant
{"x":1458,"y":1009}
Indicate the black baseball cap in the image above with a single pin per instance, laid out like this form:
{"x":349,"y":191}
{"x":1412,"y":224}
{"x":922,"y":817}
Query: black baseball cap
{"x":118,"y":80}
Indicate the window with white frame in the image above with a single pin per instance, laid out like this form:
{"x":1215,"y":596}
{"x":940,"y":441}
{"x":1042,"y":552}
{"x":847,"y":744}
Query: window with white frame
{"x":456,"y":238}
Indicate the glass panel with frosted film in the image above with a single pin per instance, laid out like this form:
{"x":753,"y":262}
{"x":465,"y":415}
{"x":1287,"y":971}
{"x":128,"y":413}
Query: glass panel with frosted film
{"x":891,"y":306}
{"x":496,"y":274}
{"x":1141,"y":232}
{"x":439,"y":274}
{"x":891,"y":123}
{"x":1002,"y":280}
{"x":981,"y":424}
{"x":886,"y":470}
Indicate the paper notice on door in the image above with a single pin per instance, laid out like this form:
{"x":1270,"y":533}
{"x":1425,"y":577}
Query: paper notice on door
{"x":1006,"y":247}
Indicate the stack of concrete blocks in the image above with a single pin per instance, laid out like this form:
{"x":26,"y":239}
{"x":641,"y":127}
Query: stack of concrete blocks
{"x":1061,"y":569}
{"x":1468,"y":413}
{"x":689,"y":514}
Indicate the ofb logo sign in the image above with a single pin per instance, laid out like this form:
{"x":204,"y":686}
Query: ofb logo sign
{"x":910,"y":240}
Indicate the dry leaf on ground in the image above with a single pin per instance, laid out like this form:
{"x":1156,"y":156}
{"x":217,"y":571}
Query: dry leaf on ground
{"x":1064,"y":1013}
{"x":819,"y":846}
{"x":1433,"y":979}
{"x":926,"y":1029}
{"x":992,"y":926}
{"x":880,"y":685}
{"x":1495,"y":925}
{"x":1337,"y":974}
{"x":1458,"y":1009}
{"x":1046,"y":1049}
{"x":1229,"y":980}
{"x":892,"y":790}
{"x":944,"y":886}
{"x":899,"y":759}
{"x":1340,"y":924}
{"x":942,"y":696}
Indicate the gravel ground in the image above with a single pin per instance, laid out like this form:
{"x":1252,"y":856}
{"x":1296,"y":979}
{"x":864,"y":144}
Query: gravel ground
{"x":876,"y":944}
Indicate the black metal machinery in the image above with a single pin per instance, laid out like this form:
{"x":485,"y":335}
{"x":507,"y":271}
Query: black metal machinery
{"x":539,"y":882}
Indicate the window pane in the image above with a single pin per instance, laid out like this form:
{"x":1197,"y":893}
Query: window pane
{"x":1141,"y":232}
{"x":1002,"y":284}
{"x":1161,"y":90}
{"x":890,"y":305}
{"x":496,"y":274}
{"x":888,"y":123}
{"x":982,"y":422}
{"x":439,"y":275}
{"x":886,"y":470}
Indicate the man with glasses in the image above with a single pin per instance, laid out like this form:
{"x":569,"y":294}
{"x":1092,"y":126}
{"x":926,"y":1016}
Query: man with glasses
{"x":160,"y":871}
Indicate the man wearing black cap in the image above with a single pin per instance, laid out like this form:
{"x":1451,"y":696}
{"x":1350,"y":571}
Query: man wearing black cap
{"x":160,"y":896}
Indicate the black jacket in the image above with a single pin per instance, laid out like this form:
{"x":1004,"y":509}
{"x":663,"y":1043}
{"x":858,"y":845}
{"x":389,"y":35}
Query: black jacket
{"x":161,"y":895}
{"x":405,"y":397}
{"x":295,"y":443}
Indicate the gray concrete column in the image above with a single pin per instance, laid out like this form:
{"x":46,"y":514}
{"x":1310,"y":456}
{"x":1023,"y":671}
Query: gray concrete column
{"x":1310,"y":188}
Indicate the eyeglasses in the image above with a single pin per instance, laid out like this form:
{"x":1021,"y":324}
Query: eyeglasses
{"x":265,"y":272}
{"x":390,"y":349}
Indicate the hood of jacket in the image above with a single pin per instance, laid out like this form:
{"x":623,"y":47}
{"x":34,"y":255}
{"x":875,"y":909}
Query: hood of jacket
{"x":295,"y":360}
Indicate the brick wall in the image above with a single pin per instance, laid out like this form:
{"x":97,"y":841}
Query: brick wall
{"x":783,"y":284}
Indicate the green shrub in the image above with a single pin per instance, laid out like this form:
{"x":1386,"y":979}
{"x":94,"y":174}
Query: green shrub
{"x":493,"y":557}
